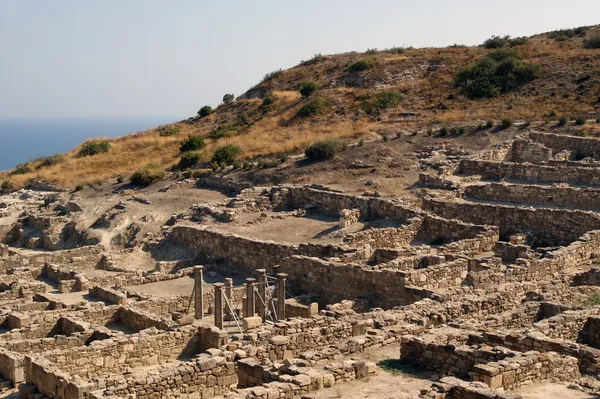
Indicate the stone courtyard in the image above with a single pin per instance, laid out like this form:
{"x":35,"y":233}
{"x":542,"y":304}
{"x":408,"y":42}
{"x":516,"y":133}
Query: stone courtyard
{"x":481,"y":282}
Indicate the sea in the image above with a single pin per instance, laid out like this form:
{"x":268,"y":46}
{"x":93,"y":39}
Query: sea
{"x":23,"y":139}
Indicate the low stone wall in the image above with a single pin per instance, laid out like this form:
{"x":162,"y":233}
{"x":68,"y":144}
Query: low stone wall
{"x":531,"y":367}
{"x":247,"y":252}
{"x":567,"y":325}
{"x":588,"y":357}
{"x":583,"y":146}
{"x":523,"y":150}
{"x":138,"y":320}
{"x":204,"y":377}
{"x":333,"y":202}
{"x":108,"y":295}
{"x":583,"y":198}
{"x":436,"y":181}
{"x":589,"y":277}
{"x":11,"y":367}
{"x":222,"y":183}
{"x":550,"y":226}
{"x":530,"y":172}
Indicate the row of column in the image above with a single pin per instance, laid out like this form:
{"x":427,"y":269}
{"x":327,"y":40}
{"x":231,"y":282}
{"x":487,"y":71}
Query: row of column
{"x":251,"y":305}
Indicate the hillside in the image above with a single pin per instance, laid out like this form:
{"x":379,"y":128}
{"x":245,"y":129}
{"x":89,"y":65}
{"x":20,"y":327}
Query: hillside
{"x":358,"y":95}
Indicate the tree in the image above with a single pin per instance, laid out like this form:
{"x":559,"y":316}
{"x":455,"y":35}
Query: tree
{"x":205,"y":111}
{"x":227,"y":98}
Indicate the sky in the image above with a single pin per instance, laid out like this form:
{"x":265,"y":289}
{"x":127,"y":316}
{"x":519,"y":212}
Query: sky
{"x":147,"y":58}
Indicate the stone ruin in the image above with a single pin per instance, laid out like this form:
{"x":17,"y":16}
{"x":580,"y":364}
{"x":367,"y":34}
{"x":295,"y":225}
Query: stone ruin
{"x":489,"y":282}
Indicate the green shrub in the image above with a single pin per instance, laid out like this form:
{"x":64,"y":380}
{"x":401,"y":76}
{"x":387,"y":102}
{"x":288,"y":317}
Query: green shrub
{"x":324,"y":150}
{"x":519,"y":41}
{"x":227,"y":98}
{"x":383,"y":99}
{"x":500,"y":71}
{"x":120,"y":179}
{"x":272,"y":75}
{"x":580,"y":121}
{"x":392,"y":366}
{"x":205,"y":111}
{"x":148,"y":175}
{"x":308,"y":88}
{"x":562,"y":121}
{"x":226,"y":130}
{"x":598,"y":119}
{"x":386,"y":138}
{"x":93,"y":147}
{"x":395,"y":50}
{"x":456,"y":46}
{"x":247,"y":164}
{"x":313,"y":107}
{"x":79,"y":187}
{"x":565,"y":34}
{"x":192,"y":143}
{"x":314,"y":60}
{"x":361,"y":142}
{"x":168,"y":130}
{"x":506,"y":123}
{"x":226,"y":154}
{"x":593,"y":42}
{"x":489,"y":124}
{"x":362,"y":64}
{"x":495,"y":42}
{"x":444,"y":131}
{"x":237,"y":164}
{"x":371,"y":51}
{"x":283,"y":158}
{"x":45,"y":162}
{"x":215,"y":166}
{"x":268,"y":102}
{"x":189,"y":160}
{"x":7,"y":185}
{"x":22,"y":169}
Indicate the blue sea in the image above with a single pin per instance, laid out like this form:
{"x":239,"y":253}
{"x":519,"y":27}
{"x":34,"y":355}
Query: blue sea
{"x":22,"y":139}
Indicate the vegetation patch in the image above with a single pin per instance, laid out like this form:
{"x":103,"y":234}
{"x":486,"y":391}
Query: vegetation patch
{"x":371,"y":103}
{"x":308,"y":88}
{"x":205,"y":111}
{"x":93,"y":147}
{"x":500,"y":71}
{"x":314,"y":106}
{"x":45,"y":162}
{"x":566,"y":34}
{"x":272,"y":75}
{"x":189,"y":160}
{"x":362,"y":64}
{"x":148,"y":175}
{"x":593,"y":42}
{"x":226,"y":154}
{"x":392,"y":366}
{"x":496,"y":42}
{"x":226,"y":130}
{"x":192,"y":143}
{"x":227,"y":98}
{"x":22,"y":169}
{"x":324,"y":150}
{"x":314,"y":60}
{"x":7,"y":185}
{"x":168,"y":130}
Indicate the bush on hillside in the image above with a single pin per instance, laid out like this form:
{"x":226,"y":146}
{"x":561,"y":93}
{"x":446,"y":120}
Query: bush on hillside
{"x":324,"y":150}
{"x":313,"y":107}
{"x":7,"y":185}
{"x":565,"y":34}
{"x":272,"y":75}
{"x":308,"y":88}
{"x":562,"y":121}
{"x":268,"y":103}
{"x":226,"y":154}
{"x":192,"y":143}
{"x":22,"y":169}
{"x":495,"y":42}
{"x":205,"y":111}
{"x":189,"y":160}
{"x":362,"y":64}
{"x":314,"y":60}
{"x":580,"y":121}
{"x":500,"y":71}
{"x":506,"y":123}
{"x":227,"y":98}
{"x":372,"y":103}
{"x":220,"y":131}
{"x":52,"y":160}
{"x":148,"y":175}
{"x":593,"y":42}
{"x":168,"y":130}
{"x":93,"y":147}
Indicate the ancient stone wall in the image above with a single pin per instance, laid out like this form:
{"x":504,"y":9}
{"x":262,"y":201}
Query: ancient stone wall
{"x":589,"y":277}
{"x":550,"y":226}
{"x":582,"y":146}
{"x":591,"y":332}
{"x":586,"y":198}
{"x":524,"y":150}
{"x":108,"y":295}
{"x":567,"y":325}
{"x":530,"y":172}
{"x":247,"y":252}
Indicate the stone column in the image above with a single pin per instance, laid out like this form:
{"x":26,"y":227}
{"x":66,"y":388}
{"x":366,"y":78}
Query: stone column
{"x":250,"y":286}
{"x":281,"y":277}
{"x":262,"y":291}
{"x":199,"y":292}
{"x":218,"y":305}
{"x":228,"y":294}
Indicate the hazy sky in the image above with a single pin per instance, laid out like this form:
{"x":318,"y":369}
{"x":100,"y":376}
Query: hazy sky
{"x":160,"y":57}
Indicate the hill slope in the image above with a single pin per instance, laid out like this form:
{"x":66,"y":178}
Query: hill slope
{"x":358,"y":95}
